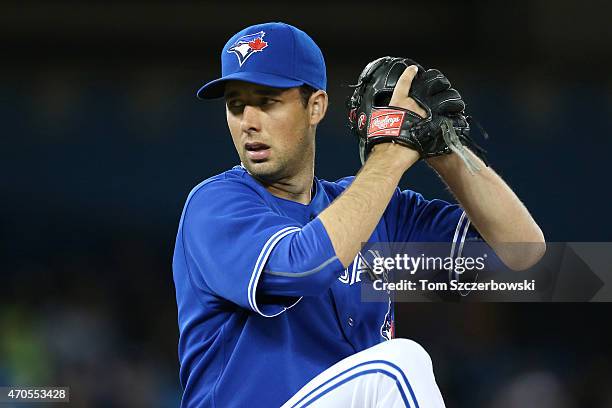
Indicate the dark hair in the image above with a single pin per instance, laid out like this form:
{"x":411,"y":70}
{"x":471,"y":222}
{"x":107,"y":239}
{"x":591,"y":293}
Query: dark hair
{"x":306,"y":92}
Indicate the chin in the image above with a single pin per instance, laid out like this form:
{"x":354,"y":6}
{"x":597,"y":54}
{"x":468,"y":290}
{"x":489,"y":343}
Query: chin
{"x":264,"y":170}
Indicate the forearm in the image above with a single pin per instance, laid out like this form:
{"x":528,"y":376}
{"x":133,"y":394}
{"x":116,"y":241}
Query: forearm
{"x":352,"y":217}
{"x":496,"y":212}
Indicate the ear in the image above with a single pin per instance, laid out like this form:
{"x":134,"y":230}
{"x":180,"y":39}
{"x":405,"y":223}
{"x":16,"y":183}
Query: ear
{"x":317,"y":107}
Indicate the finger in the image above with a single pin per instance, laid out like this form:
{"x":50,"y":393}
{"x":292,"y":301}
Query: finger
{"x":446,"y":102}
{"x":402,"y":88}
{"x":409,"y":61}
{"x":437,"y":85}
{"x":434,"y":81}
{"x":431,"y":74}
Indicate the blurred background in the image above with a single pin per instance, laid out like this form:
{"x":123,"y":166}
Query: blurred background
{"x":103,"y":138}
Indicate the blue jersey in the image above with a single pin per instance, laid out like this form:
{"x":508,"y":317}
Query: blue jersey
{"x":264,"y":304}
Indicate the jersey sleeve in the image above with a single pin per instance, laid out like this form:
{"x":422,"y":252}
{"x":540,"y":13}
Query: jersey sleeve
{"x":239,"y":249}
{"x":412,"y":218}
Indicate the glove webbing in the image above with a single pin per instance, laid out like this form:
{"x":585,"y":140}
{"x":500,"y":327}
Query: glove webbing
{"x":452,"y":141}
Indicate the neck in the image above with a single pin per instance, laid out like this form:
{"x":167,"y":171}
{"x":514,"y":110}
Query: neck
{"x":298,"y":184}
{"x":295,"y":188}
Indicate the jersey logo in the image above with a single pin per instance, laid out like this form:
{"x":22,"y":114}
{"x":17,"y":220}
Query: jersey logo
{"x":360,"y":265}
{"x":387,"y":330}
{"x":248,"y":45}
{"x":352,"y":274}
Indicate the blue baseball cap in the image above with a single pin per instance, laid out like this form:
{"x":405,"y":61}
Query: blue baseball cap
{"x":271,"y":54}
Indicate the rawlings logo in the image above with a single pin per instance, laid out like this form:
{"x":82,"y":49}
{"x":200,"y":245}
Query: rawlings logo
{"x":362,"y":121}
{"x":386,"y":122}
{"x":247,"y":45}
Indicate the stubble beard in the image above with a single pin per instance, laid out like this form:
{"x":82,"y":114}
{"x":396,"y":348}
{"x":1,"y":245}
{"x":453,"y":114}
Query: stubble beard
{"x":280,"y":168}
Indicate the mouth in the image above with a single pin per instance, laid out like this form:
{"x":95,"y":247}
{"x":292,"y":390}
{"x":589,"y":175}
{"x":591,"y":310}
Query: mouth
{"x":257,"y":152}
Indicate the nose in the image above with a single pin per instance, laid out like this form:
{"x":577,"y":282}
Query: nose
{"x":250,"y":119}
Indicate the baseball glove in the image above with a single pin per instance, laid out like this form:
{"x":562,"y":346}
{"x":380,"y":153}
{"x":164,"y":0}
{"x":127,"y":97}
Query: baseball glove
{"x":445,"y":129}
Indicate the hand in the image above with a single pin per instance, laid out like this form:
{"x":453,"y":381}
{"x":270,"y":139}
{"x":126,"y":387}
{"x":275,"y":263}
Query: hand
{"x":400,"y":98}
{"x":402,"y":155}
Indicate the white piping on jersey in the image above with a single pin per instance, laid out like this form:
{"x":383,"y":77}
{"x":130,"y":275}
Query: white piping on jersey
{"x":354,"y":373}
{"x":463,"y":234}
{"x":465,"y":231}
{"x":261,"y":262}
{"x":302,"y":274}
{"x":457,"y":233}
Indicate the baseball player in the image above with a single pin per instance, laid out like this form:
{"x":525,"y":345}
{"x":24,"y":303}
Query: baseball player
{"x":266,"y":262}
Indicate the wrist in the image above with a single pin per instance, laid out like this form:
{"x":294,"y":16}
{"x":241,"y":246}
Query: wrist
{"x":394,"y":155}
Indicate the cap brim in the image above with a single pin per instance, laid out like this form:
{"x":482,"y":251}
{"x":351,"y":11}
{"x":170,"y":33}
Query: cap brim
{"x":215,"y":89}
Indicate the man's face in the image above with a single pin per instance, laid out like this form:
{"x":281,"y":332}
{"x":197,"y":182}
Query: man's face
{"x":270,"y":129}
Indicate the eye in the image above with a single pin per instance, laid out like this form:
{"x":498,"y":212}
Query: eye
{"x":234,"y":104}
{"x":269,"y":101}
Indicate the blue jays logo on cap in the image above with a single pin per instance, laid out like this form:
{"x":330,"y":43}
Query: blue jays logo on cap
{"x":247,"y":45}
